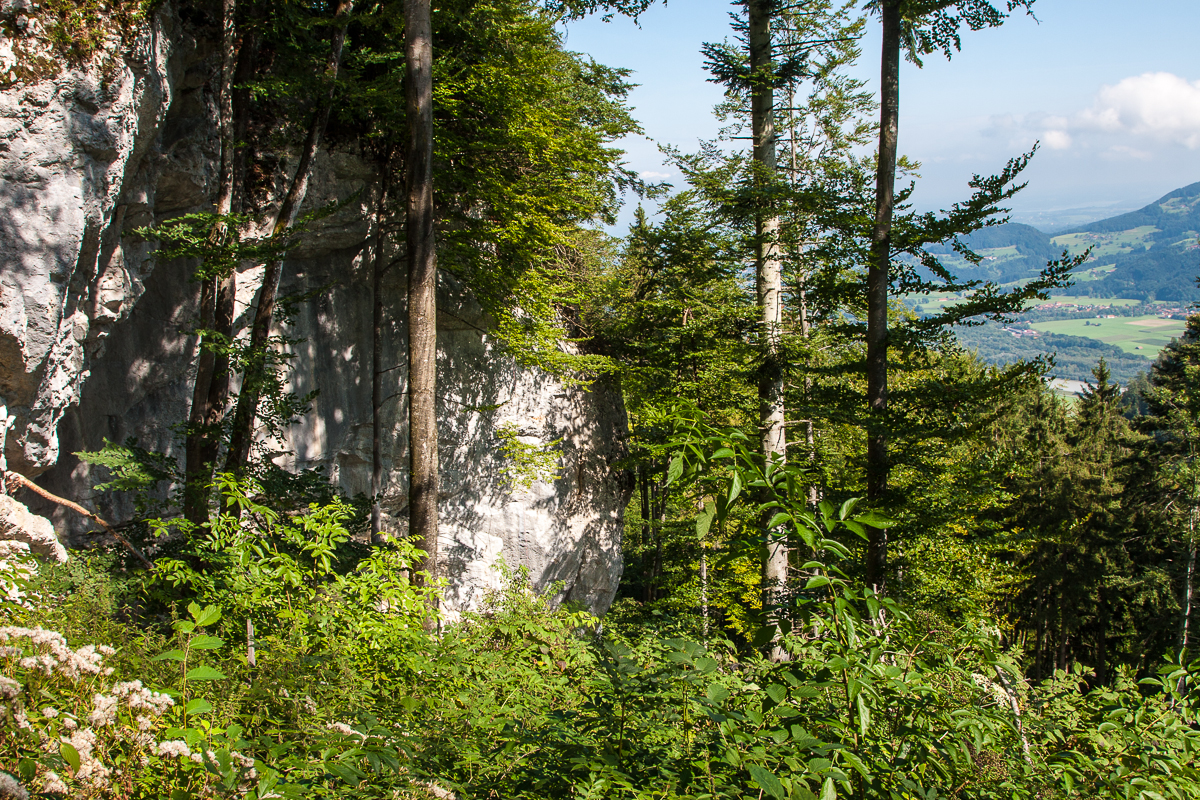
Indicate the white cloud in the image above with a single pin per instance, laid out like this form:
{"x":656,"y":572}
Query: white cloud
{"x":1131,"y":119}
{"x":1157,"y":105}
{"x":651,"y":175}
{"x":1056,"y":139}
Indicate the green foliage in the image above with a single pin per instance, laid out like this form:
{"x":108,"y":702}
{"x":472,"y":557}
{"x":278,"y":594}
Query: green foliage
{"x":524,"y":462}
{"x":131,"y":468}
{"x":59,"y":33}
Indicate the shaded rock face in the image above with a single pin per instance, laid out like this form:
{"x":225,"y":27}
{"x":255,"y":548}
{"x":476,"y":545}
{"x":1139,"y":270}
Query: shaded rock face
{"x":95,"y":343}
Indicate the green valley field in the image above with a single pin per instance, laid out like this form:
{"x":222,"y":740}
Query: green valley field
{"x":1144,"y":335}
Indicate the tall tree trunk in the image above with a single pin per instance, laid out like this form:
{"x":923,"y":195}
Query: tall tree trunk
{"x":378,"y":268}
{"x":768,"y":281}
{"x":647,"y":566}
{"x":242,"y":435}
{"x":1189,"y":579}
{"x":422,"y":284}
{"x":198,"y":468}
{"x":877,"y":287}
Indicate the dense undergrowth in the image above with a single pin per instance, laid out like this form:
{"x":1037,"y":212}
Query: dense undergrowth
{"x":273,"y":657}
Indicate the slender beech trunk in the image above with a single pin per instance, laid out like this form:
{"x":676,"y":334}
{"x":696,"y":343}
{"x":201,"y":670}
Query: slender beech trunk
{"x":704,"y":588}
{"x":1189,"y":578}
{"x":242,"y":436}
{"x":877,"y":287}
{"x":768,"y":282}
{"x":216,"y":299}
{"x":198,"y":468}
{"x":422,"y":283}
{"x":661,"y":525}
{"x":223,"y":320}
{"x":378,"y":268}
{"x":647,"y":535}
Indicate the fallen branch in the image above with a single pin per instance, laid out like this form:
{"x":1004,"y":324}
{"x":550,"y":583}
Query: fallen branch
{"x":15,"y":479}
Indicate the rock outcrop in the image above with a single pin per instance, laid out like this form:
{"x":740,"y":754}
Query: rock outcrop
{"x":95,"y":343}
{"x":23,"y":531}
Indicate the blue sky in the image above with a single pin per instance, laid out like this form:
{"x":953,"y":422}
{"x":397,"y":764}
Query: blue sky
{"x":1111,"y":89}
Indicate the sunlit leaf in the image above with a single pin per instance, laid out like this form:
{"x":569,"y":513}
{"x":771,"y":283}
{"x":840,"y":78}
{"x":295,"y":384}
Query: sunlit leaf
{"x":205,"y":674}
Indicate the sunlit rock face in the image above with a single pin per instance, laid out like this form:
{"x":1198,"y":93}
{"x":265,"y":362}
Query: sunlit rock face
{"x":95,"y":337}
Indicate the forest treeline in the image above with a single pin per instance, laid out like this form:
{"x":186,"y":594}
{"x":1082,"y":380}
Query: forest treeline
{"x":857,"y":561}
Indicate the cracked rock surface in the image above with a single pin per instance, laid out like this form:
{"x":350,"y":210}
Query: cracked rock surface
{"x":95,"y":336}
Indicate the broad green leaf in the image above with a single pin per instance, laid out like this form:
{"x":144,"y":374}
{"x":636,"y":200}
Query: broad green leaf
{"x":735,"y":488}
{"x":763,"y":636}
{"x":209,"y":616}
{"x":70,"y":755}
{"x":829,"y":790}
{"x":185,"y":626}
{"x":766,"y":781}
{"x":205,"y":674}
{"x":717,"y":693}
{"x":198,"y":706}
{"x":777,"y":692}
{"x":778,"y":520}
{"x":706,"y":665}
{"x":704,"y":520}
{"x":723,"y":452}
{"x":207,"y":643}
{"x":847,"y":507}
{"x":859,"y":530}
{"x":864,"y":714}
{"x":347,"y":774}
{"x":875,"y":520}
{"x":816,"y":582}
{"x":170,"y":655}
{"x":674,"y":469}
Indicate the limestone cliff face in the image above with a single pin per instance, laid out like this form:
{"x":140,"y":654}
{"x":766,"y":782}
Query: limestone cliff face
{"x":94,"y":338}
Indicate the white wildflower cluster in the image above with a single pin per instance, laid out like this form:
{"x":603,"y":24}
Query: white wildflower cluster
{"x":136,"y":697}
{"x":91,"y":773}
{"x":173,"y":748}
{"x":118,"y":729}
{"x":346,"y":730}
{"x":52,"y":784}
{"x":53,"y":655}
{"x":9,"y":788}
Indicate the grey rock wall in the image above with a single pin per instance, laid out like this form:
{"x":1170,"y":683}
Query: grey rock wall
{"x":94,"y":340}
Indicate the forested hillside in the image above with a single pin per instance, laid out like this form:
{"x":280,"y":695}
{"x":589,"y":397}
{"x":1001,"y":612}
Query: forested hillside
{"x":1150,"y":254}
{"x":451,"y":494}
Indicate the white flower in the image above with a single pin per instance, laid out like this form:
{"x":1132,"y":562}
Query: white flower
{"x":8,"y":688}
{"x":52,"y":784}
{"x":105,"y":713}
{"x":49,"y":713}
{"x":174,"y":748}
{"x":70,"y":724}
{"x":344,"y":729}
{"x":9,"y":788}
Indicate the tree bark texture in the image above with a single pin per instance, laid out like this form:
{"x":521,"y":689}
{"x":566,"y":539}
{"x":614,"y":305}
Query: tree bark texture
{"x":878,"y":276}
{"x":422,"y":283}
{"x":242,"y":436}
{"x":768,"y":280}
{"x":203,"y":416}
{"x":378,"y":268}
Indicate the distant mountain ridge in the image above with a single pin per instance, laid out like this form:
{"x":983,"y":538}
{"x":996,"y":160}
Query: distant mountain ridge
{"x":1149,"y":254}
